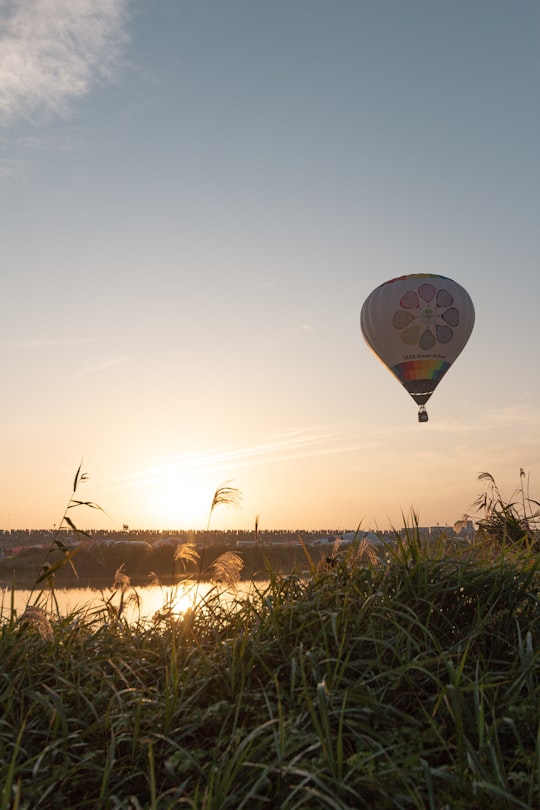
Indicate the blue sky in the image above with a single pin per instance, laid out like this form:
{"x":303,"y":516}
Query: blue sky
{"x":197,"y":197}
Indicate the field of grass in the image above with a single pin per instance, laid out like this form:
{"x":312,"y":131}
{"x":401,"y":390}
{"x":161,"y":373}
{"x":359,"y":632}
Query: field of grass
{"x":412,"y":683}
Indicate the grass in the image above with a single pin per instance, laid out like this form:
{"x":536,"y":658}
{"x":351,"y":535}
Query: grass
{"x":405,"y":680}
{"x":409,"y":684}
{"x":507,"y":520}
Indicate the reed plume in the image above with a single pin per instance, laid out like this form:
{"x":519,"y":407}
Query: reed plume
{"x":224,"y":495}
{"x":227,"y":569}
{"x":39,"y":618}
{"x":186,"y":553}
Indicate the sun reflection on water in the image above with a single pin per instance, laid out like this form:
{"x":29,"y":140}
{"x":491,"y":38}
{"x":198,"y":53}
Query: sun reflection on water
{"x":141,"y":603}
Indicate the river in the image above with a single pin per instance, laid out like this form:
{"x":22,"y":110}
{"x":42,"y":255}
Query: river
{"x":139,"y":603}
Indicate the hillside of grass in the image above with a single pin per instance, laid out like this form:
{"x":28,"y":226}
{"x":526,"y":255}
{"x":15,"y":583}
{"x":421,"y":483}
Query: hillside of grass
{"x":412,"y":682}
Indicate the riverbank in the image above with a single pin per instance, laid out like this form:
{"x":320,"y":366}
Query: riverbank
{"x":95,"y":559}
{"x":94,"y":565}
{"x":414,"y":684}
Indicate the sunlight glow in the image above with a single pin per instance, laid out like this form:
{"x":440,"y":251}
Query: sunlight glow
{"x":178,"y":599}
{"x":175,"y":501}
{"x":274,"y":448}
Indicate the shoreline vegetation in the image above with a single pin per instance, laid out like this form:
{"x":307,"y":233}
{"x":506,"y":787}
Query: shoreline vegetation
{"x":407,"y":678}
{"x":414,"y":683}
{"x":145,"y":555}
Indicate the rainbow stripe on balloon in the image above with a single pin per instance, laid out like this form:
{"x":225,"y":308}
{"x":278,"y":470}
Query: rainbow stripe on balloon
{"x":427,"y":369}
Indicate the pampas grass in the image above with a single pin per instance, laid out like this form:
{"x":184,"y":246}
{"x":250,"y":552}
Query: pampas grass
{"x":227,"y":568}
{"x":410,"y":683}
{"x":407,"y":681}
{"x":506,"y":521}
{"x":225,"y":495}
{"x":57,"y":545}
{"x":186,"y":553}
{"x":39,"y":618}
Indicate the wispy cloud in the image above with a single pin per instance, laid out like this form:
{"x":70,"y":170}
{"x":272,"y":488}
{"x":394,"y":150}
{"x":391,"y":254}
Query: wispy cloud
{"x":53,"y":51}
{"x":518,"y":414}
{"x":103,"y":364}
{"x":264,"y":282}
{"x":279,"y":447}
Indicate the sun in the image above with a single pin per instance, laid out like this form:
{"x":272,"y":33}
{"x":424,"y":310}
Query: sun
{"x":176,"y":503}
{"x":171,"y":494}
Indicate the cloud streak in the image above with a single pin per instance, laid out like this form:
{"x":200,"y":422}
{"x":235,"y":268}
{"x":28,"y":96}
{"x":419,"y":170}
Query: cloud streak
{"x":104,"y":364}
{"x":54,"y":51}
{"x":295,"y":444}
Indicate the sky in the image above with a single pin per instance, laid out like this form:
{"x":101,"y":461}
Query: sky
{"x":196,"y":198}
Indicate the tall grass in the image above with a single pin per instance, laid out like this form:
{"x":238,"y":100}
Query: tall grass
{"x":224,"y":495}
{"x":59,"y":554}
{"x":410,"y":682}
{"x":506,"y":521}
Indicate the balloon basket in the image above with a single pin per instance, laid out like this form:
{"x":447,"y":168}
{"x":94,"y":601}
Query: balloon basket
{"x":422,"y":414}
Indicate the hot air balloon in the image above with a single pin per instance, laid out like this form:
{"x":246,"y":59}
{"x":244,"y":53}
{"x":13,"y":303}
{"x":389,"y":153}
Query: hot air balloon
{"x":418,"y":325}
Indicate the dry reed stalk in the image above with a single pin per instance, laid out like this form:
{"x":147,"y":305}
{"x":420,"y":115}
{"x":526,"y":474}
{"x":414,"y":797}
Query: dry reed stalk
{"x":39,"y":618}
{"x":186,"y":553}
{"x":227,"y":568}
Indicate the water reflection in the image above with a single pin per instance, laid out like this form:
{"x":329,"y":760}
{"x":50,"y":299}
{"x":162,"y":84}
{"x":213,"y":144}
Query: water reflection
{"x":139,"y":602}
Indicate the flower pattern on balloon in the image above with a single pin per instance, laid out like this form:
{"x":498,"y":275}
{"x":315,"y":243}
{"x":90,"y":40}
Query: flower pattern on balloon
{"x":427,"y":316}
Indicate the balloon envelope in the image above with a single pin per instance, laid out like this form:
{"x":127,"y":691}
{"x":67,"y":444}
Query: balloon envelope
{"x":418,"y":325}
